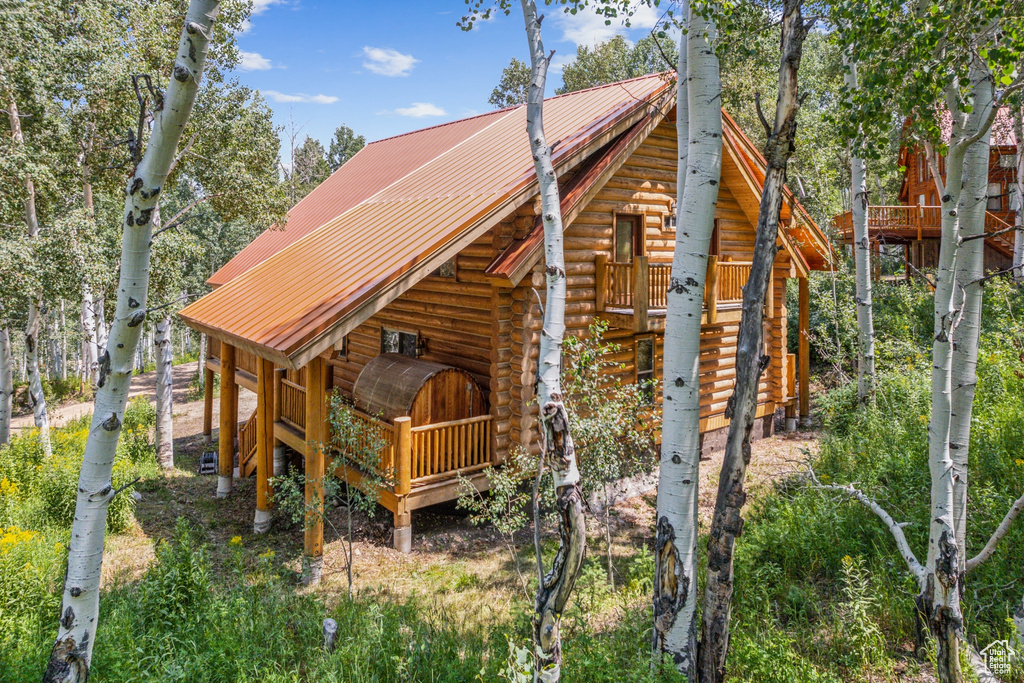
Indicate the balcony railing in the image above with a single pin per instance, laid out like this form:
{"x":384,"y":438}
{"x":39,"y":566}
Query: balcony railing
{"x":640,"y":287}
{"x":916,"y":222}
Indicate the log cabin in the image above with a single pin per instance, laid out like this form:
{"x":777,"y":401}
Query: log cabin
{"x":914,"y":226}
{"x":411,"y":281}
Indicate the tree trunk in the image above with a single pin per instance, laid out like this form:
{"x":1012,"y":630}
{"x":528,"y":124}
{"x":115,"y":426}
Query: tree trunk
{"x":862,"y":265}
{"x":202,"y":361}
{"x":1018,"y":234}
{"x":90,"y":347}
{"x":970,"y":261}
{"x":727,"y":521}
{"x":72,"y":651}
{"x":558,"y":453}
{"x":63,"y":342}
{"x":101,"y":325}
{"x":699,"y":135}
{"x":35,"y":384}
{"x":164,"y":394}
{"x":6,"y":385}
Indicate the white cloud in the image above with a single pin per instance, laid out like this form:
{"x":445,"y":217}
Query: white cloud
{"x":252,"y":61}
{"x":261,"y":6}
{"x":299,"y":97}
{"x":388,"y":62}
{"x":587,"y":27}
{"x":420,"y":109}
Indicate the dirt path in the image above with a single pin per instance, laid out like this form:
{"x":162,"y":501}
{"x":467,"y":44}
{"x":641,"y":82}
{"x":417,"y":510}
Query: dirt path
{"x":142,"y":385}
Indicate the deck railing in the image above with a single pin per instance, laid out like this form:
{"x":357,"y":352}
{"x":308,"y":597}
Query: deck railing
{"x":660,"y":274}
{"x":732,"y":277}
{"x":440,"y":450}
{"x":618,"y":290}
{"x":247,"y":447}
{"x":417,"y":456}
{"x":912,"y":221}
{"x":293,"y":404}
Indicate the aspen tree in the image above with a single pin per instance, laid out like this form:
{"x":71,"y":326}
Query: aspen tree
{"x":699,"y":136}
{"x":558,"y":453}
{"x":727,"y":521}
{"x":35,"y":384}
{"x":71,"y":656}
{"x":862,"y":265}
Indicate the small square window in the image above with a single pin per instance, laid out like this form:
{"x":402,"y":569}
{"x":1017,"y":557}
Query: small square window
{"x":669,"y":222}
{"x":446,"y":269}
{"x":396,"y":341}
{"x":645,"y":351}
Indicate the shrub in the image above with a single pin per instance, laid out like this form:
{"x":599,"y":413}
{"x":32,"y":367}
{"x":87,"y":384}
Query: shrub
{"x":31,"y":565}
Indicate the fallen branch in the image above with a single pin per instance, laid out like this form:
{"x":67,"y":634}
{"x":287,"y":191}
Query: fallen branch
{"x":895,"y":528}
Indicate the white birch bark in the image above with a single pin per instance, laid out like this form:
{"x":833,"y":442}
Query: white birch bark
{"x":970,"y":261}
{"x":101,"y":325}
{"x":72,"y":651}
{"x":699,"y":135}
{"x":63,"y":342}
{"x":164,"y":394}
{"x":6,"y":385}
{"x":1018,"y":234}
{"x":727,"y":521}
{"x":35,"y":385}
{"x":90,"y":347}
{"x":558,"y":453}
{"x":862,"y":266}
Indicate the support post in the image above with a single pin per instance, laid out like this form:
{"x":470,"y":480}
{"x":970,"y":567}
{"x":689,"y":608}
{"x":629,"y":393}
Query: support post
{"x":641,"y":292}
{"x":228,"y":420}
{"x":711,"y":290}
{"x":207,"y":403}
{"x":316,"y":435}
{"x":264,"y":443}
{"x":804,"y":351}
{"x":601,"y":281}
{"x":403,"y":483}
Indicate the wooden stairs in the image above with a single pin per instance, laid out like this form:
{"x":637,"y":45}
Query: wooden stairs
{"x":1003,"y":243}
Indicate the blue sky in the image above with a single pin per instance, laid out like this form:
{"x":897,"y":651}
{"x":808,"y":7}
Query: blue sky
{"x":385,"y":68}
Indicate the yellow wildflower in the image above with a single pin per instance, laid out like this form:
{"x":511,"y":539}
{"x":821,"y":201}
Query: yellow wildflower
{"x":1020,"y":463}
{"x":235,"y":540}
{"x":269,"y":555}
{"x":8,"y":487}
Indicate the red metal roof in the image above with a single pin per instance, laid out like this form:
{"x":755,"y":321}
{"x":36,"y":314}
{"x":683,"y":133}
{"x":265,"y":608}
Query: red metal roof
{"x":372,"y":169}
{"x":281,"y":307}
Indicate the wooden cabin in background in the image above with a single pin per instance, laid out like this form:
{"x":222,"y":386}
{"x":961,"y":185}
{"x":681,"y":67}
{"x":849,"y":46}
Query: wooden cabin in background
{"x":407,"y":280}
{"x":914,"y":226}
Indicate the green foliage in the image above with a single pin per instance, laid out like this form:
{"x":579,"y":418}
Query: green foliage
{"x":344,"y":145}
{"x":617,"y":60}
{"x":513,"y":87}
{"x":175,"y":590}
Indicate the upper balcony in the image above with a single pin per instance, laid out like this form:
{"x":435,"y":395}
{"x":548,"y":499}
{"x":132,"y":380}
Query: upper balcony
{"x":900,"y":224}
{"x":635,"y":295}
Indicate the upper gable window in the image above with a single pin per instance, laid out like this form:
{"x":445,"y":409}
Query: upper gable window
{"x":629,"y":237}
{"x":446,"y":269}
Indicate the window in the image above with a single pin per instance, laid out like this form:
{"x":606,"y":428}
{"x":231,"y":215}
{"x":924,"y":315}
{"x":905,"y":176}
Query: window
{"x":446,"y":269}
{"x":715,"y":248}
{"x":669,"y":222}
{"x":995,"y":197}
{"x":341,"y":349}
{"x":397,"y":341}
{"x":645,"y":368}
{"x":920,"y":168}
{"x":628,"y":237}
{"x":920,"y":200}
{"x":1007,"y":161}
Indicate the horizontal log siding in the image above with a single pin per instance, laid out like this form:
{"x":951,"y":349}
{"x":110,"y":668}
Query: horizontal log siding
{"x":644,"y":184}
{"x":453,"y":317}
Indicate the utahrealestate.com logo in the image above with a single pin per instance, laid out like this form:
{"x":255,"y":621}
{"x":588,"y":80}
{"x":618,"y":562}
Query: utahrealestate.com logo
{"x":1000,"y":657}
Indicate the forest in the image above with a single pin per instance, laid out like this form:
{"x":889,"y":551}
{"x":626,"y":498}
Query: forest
{"x":872,"y":535}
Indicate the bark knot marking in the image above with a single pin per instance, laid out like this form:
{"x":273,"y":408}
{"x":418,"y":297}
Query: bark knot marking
{"x":671,"y":584}
{"x":104,"y":368}
{"x":133,"y":303}
{"x":137,"y":318}
{"x":67,"y":620}
{"x":112,"y":423}
{"x":181,"y":74}
{"x":678,"y":286}
{"x":136,"y":185}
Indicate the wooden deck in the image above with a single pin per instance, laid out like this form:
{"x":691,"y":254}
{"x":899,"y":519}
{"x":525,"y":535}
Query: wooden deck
{"x":900,"y":224}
